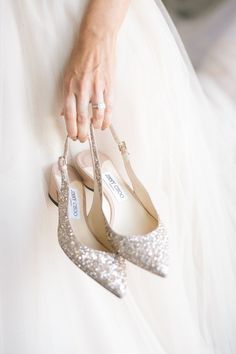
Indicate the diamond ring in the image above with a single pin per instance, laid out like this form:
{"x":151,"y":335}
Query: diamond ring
{"x":100,"y":105}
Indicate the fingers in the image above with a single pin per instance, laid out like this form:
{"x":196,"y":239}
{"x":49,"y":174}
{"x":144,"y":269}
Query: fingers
{"x":76,"y":108}
{"x":108,"y":99}
{"x":98,"y":113}
{"x":70,"y":115}
{"x":82,"y":116}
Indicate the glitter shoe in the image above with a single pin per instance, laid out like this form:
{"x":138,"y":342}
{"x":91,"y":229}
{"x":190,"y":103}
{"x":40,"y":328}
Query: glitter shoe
{"x":74,"y":235}
{"x":132,"y":226}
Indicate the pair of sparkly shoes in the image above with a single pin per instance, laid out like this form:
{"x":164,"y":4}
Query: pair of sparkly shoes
{"x":103,"y":221}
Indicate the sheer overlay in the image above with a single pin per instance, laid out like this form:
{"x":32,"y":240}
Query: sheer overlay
{"x":183,"y":149}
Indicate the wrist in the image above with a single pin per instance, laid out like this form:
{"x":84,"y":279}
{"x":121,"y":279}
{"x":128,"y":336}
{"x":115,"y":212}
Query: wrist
{"x":92,"y":36}
{"x":98,"y":32}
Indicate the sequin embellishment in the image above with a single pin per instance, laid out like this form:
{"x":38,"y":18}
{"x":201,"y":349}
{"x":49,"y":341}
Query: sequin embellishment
{"x":108,"y":269}
{"x":149,"y":251}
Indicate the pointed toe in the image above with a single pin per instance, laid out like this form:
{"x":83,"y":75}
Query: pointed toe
{"x":148,"y":251}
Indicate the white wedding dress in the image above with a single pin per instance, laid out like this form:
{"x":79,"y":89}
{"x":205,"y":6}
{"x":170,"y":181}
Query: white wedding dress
{"x":182,"y":148}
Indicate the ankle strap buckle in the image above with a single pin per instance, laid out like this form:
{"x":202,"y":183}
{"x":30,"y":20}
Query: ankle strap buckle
{"x":122,"y":147}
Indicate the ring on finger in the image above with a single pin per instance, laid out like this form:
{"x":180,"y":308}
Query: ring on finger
{"x":99,"y":105}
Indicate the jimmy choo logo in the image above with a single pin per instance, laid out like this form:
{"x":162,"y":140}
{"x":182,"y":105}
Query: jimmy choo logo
{"x":114,"y":186}
{"x":74,"y":211}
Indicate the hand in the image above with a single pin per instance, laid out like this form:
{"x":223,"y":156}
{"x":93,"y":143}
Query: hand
{"x":89,"y":78}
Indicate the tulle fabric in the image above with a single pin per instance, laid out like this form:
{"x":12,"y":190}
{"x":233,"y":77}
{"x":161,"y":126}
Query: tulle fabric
{"x":182,"y":148}
{"x":219,"y":63}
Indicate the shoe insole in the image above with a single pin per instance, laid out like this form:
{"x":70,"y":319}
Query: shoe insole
{"x":129,"y":216}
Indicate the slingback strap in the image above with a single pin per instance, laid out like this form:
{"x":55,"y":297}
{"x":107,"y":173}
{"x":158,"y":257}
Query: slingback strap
{"x":62,"y":160}
{"x":121,"y":144}
{"x":96,"y":163}
{"x":138,"y":187}
{"x":96,"y":216}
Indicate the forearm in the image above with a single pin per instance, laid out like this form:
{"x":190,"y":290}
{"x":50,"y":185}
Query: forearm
{"x":104,"y":17}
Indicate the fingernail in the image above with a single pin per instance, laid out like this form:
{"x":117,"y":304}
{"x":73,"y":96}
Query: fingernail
{"x":83,"y":138}
{"x":97,"y":126}
{"x":105,"y":126}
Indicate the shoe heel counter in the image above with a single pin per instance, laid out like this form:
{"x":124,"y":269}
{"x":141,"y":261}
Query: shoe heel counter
{"x":52,"y":191}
